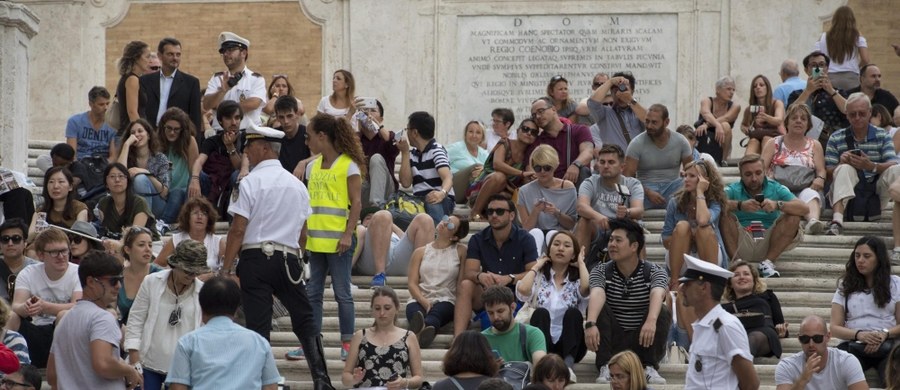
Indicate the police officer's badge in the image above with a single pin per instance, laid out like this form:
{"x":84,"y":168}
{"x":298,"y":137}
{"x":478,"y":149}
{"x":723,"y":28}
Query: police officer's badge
{"x":243,"y":96}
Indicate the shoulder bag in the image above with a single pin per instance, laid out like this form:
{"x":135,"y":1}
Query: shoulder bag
{"x":794,"y":177}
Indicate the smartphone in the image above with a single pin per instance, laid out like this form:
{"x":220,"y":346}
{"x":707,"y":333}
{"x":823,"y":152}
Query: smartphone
{"x":759,"y":198}
{"x":399,"y":135}
{"x":856,"y":152}
{"x":394,"y":377}
{"x":369,"y":102}
{"x":817,"y":72}
{"x":34,"y":299}
{"x":496,"y":354}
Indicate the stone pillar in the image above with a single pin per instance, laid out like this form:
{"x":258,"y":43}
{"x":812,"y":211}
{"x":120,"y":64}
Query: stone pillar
{"x":18,"y":25}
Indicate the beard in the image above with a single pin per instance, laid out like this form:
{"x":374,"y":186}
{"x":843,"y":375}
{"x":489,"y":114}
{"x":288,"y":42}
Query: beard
{"x":502,"y":325}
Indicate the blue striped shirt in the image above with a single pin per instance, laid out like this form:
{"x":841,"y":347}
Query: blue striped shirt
{"x":223,"y":355}
{"x":425,"y":165}
{"x":877,"y":145}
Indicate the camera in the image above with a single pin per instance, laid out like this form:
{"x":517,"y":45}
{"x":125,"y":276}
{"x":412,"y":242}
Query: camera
{"x":623,"y":87}
{"x":756,"y":109}
{"x":233,"y":80}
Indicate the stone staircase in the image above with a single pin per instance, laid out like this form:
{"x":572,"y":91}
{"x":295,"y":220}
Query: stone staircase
{"x":808,"y":280}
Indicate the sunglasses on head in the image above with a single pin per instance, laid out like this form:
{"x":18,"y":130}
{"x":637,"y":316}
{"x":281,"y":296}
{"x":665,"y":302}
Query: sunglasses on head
{"x":498,"y":212}
{"x":556,"y":78}
{"x":540,"y":168}
{"x":16,"y":239}
{"x":815,"y":338}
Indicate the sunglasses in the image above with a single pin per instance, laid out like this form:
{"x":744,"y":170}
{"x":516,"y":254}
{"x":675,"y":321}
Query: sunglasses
{"x":16,"y":239}
{"x":816,"y":339}
{"x":498,"y":212}
{"x":530,"y":130}
{"x":154,"y":68}
{"x":112,"y":281}
{"x":540,"y":168}
{"x":75,"y":239}
{"x":9,"y":383}
{"x":450,"y":225}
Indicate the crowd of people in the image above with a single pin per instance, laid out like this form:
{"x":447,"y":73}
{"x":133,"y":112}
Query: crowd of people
{"x":560,"y":269}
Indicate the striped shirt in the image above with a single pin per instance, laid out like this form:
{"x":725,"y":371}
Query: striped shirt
{"x":877,"y":145}
{"x":629,"y":298}
{"x":16,"y":343}
{"x":425,"y":167}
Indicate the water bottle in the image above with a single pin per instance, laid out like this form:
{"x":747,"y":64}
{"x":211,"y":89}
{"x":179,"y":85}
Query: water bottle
{"x":41,"y":223}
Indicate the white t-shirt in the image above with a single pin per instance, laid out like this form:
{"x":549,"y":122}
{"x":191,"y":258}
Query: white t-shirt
{"x":838,"y":64}
{"x":34,"y":280}
{"x":863,"y":313}
{"x":841,"y":370}
{"x":326,"y":107}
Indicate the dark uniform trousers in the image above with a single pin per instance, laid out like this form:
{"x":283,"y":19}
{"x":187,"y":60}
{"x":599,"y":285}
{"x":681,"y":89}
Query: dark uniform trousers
{"x":614,"y":339}
{"x":262,"y":277}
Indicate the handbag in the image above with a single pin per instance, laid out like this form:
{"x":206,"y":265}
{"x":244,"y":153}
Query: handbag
{"x":404,"y":208}
{"x":525,"y":312}
{"x":794,"y":177}
{"x":859,"y":349}
{"x":517,"y":374}
{"x":750,"y":319}
{"x":675,"y":354}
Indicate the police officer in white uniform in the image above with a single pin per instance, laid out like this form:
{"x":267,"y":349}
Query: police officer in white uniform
{"x":269,"y":212}
{"x":720,"y":352}
{"x":238,"y":83}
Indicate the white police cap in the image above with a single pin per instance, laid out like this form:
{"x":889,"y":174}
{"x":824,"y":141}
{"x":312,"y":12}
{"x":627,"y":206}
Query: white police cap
{"x":229,"y":39}
{"x":704,"y":271}
{"x":262,"y":132}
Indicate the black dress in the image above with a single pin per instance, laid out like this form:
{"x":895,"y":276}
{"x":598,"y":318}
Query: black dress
{"x":123,"y":105}
{"x":380,"y":363}
{"x":766,"y":303}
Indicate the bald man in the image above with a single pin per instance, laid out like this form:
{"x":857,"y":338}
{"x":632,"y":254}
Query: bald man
{"x":818,"y":366}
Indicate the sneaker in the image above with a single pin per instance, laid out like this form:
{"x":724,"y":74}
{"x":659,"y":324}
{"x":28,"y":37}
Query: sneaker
{"x":653,"y":377}
{"x":604,"y":375}
{"x":345,"y":351}
{"x":295,"y":355}
{"x":835,"y":229}
{"x":161,"y":227}
{"x":417,"y":322}
{"x":767,"y":269}
{"x":895,"y":257}
{"x":572,"y":377}
{"x":426,"y":336}
{"x":814,"y":227}
{"x":378,"y":280}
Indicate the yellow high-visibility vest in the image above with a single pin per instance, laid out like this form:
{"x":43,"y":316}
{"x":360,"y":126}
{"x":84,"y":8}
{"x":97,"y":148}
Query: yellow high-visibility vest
{"x":330,"y":202}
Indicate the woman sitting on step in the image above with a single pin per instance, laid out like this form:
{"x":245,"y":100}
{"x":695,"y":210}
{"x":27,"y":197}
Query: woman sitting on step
{"x":746,"y":293}
{"x":60,"y":206}
{"x":547,"y":204}
{"x":434,"y":273}
{"x":384,"y":355}
{"x":866,"y":306}
{"x":504,"y":170}
{"x":557,"y":289}
{"x":467,"y":363}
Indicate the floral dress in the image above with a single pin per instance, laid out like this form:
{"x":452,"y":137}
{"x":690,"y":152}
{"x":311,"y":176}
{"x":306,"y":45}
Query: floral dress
{"x":380,"y":363}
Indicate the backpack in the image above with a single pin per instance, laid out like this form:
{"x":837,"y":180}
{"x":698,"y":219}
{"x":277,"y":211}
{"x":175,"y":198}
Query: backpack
{"x":404,"y":208}
{"x":517,"y":374}
{"x":866,"y":205}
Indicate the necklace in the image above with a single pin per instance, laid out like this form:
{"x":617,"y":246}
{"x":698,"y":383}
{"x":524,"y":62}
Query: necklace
{"x":175,"y":316}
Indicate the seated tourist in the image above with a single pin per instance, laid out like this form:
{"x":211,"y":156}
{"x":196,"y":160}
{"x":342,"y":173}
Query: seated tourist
{"x":551,"y":371}
{"x":467,"y":362}
{"x":573,"y":142}
{"x":547,"y":204}
{"x":137,"y":251}
{"x":746,"y":292}
{"x":425,"y":167}
{"x":149,"y":169}
{"x":383,"y":248}
{"x":381,"y":151}
{"x":44,"y":292}
{"x":83,"y":238}
{"x":219,"y":161}
{"x":826,"y":101}
{"x":656,"y":156}
{"x":122,"y":209}
{"x":197,"y":221}
{"x":88,"y":133}
{"x":12,"y":339}
{"x":177,"y":141}
{"x":819,"y":366}
{"x":504,"y":333}
{"x":59,"y":207}
{"x":504,"y":170}
{"x":27,"y":376}
{"x":770,"y":207}
{"x":785,"y":153}
{"x":763,"y":117}
{"x":13,"y":240}
{"x":467,"y":158}
{"x":434,"y":273}
{"x":502,"y":120}
{"x":717,"y":117}
{"x":61,"y":155}
{"x":691,"y":136}
{"x":622,"y":120}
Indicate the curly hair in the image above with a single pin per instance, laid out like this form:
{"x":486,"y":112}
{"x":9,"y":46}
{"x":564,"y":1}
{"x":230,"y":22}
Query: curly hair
{"x":842,"y":36}
{"x":198,"y":203}
{"x":768,"y":102}
{"x":152,"y":143}
{"x":469,"y":352}
{"x":68,"y":211}
{"x":341,"y":135}
{"x":183,"y":143}
{"x":715,"y":192}
{"x":130,"y":55}
{"x":759,"y":286}
{"x":853,"y":281}
{"x":572,"y":270}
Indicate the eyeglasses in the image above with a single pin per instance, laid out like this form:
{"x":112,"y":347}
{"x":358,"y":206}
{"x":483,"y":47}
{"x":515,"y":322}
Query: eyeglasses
{"x":857,"y":114}
{"x":816,"y":339}
{"x":57,"y":253}
{"x":541,"y":168}
{"x":16,"y":239}
{"x":75,"y":239}
{"x":9,"y":383}
{"x":113,"y":281}
{"x":498,"y":212}
{"x":170,"y":129}
{"x":199,"y":212}
{"x":450,"y":225}
{"x":116,"y":177}
{"x":530,"y":130}
{"x":539,"y":112}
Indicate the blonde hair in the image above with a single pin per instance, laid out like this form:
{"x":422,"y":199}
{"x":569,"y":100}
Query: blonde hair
{"x":759,"y":286}
{"x":630,"y":363}
{"x":545,"y":155}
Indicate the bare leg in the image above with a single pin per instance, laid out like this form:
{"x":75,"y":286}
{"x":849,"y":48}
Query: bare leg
{"x":783,"y":234}
{"x":421,"y":230}
{"x":728,"y":226}
{"x":678,"y":246}
{"x":753,"y":147}
{"x":468,"y":296}
{"x":13,"y":322}
{"x":585,"y":232}
{"x":493,"y":184}
{"x":815,"y":209}
{"x":707,"y":244}
{"x":379,"y":234}
{"x":726,"y":148}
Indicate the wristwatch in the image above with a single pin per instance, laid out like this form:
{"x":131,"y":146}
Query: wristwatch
{"x":578,"y":164}
{"x":887,"y":333}
{"x":779,"y":204}
{"x":875,"y":168}
{"x":588,"y":325}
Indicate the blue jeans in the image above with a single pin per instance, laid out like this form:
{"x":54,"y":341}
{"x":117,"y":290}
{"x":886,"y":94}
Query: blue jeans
{"x":665,"y":189}
{"x":437,"y":211}
{"x":338,"y":265}
{"x":441,"y":313}
{"x":163,"y":209}
{"x":153,"y":380}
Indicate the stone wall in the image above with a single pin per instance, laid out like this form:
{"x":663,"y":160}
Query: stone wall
{"x":405,"y":51}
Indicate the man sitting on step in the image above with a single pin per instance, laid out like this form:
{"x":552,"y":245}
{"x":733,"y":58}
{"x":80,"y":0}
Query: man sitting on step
{"x":504,"y":333}
{"x":383,"y":248}
{"x":764,"y":218}
{"x":818,"y":366}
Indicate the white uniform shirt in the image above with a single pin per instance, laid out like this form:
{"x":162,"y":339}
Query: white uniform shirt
{"x":249,"y":86}
{"x":275,"y":203}
{"x":715,"y":350}
{"x":841,"y":370}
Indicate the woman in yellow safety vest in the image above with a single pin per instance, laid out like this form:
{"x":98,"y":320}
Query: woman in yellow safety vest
{"x":334,"y":183}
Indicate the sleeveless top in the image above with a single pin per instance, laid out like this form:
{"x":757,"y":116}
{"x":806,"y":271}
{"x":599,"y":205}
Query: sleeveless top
{"x":123,"y":105}
{"x":784,"y":156}
{"x":380,"y":363}
{"x":211,"y":242}
{"x":124,"y":303}
{"x":180,"y":171}
{"x":439,"y":273}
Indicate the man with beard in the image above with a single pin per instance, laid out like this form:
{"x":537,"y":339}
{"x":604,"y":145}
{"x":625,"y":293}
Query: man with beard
{"x":819,"y":366}
{"x":169,"y":86}
{"x":656,"y":157}
{"x":499,"y":255}
{"x":503,"y":335}
{"x":238,"y":83}
{"x":720,"y":352}
{"x":626,"y":310}
{"x":870,"y":84}
{"x":756,"y":198}
{"x":573,"y":142}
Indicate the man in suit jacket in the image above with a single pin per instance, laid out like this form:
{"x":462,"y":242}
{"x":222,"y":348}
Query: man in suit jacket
{"x":172,"y":88}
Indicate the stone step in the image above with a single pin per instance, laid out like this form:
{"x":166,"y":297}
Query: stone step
{"x":587,"y":385}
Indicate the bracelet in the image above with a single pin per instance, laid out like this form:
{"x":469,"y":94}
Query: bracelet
{"x":820,"y":177}
{"x":535,"y":272}
{"x":627,"y":213}
{"x":833,"y":93}
{"x":856,"y":336}
{"x":478,"y":277}
{"x":701,"y":197}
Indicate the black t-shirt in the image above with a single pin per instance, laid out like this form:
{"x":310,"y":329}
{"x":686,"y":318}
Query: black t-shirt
{"x":215,"y":144}
{"x":882,"y":97}
{"x":294,"y":150}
